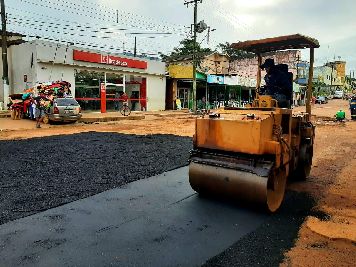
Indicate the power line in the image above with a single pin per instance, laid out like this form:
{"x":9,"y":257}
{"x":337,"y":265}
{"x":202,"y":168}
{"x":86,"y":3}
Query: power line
{"x":70,"y":39}
{"x":80,"y":30}
{"x":94,"y":13}
{"x":77,"y":30}
{"x":133,"y":17}
{"x":108,"y":29}
{"x":41,"y":26}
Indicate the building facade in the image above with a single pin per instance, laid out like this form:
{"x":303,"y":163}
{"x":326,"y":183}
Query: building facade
{"x":94,"y":75}
{"x":340,"y":67}
{"x":248,"y":67}
{"x":326,"y":75}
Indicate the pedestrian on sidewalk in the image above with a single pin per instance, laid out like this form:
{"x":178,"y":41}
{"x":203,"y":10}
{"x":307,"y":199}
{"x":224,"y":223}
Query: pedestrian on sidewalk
{"x":134,"y":100}
{"x":117,"y":101}
{"x":32,"y":108}
{"x":40,"y":111}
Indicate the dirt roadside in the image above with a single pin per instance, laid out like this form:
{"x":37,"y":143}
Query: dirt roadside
{"x":327,"y":242}
{"x":178,"y":125}
{"x":330,"y":241}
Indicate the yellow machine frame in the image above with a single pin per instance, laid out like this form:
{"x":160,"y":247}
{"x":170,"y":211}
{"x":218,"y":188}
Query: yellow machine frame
{"x":248,"y":153}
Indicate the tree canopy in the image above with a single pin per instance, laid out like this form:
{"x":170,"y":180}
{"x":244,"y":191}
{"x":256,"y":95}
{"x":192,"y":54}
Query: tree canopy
{"x":233,"y":54}
{"x":185,"y":48}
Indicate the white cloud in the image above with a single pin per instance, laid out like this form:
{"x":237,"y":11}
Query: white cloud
{"x":333,"y":23}
{"x":249,"y":3}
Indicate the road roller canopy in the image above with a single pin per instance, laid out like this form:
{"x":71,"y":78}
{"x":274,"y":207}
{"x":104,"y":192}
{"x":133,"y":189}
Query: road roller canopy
{"x":296,"y":41}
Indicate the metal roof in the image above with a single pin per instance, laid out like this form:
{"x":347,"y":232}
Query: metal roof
{"x":14,"y":38}
{"x":296,"y":41}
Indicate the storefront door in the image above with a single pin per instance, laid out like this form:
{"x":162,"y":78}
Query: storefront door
{"x":183,"y":95}
{"x":113,"y":92}
{"x":115,"y":85}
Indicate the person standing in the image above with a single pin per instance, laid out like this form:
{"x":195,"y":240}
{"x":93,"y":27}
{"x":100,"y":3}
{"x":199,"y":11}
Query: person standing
{"x":134,"y":100}
{"x":40,"y":110}
{"x":125,"y":98}
{"x":32,"y":108}
{"x":117,"y":101}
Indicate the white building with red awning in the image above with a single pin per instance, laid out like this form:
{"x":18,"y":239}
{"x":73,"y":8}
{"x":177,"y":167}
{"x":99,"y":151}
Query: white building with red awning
{"x":95,"y":76}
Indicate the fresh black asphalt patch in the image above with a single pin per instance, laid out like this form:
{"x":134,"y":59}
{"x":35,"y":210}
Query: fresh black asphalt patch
{"x":42,"y":173}
{"x":267,"y":244}
{"x":159,"y":221}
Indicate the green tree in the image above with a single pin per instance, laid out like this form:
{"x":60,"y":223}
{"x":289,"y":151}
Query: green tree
{"x":185,"y":48}
{"x":233,"y":53}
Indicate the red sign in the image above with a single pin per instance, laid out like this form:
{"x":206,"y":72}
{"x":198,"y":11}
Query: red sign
{"x":109,"y":60}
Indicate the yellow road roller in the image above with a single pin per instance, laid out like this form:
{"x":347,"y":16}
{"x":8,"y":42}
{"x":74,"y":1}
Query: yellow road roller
{"x":247,"y":154}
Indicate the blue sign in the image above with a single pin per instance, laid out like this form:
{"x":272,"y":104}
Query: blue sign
{"x":215,"y":79}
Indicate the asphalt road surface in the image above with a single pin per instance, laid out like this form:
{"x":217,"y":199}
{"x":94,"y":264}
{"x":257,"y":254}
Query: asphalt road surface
{"x":114,"y":221}
{"x":159,"y":221}
{"x":42,"y":173}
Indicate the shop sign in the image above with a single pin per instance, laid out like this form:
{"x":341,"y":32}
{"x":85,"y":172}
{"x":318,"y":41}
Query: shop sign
{"x":215,"y":79}
{"x":108,"y":60}
{"x":102,"y":87}
{"x":253,"y":83}
{"x":231,"y":80}
{"x":180,"y":72}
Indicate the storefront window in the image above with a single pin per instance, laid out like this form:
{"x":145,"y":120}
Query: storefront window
{"x":87,"y":89}
{"x":114,"y":88}
{"x":134,"y":92}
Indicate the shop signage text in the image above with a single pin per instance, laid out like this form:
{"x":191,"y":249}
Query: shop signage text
{"x":108,"y":60}
{"x":215,"y":79}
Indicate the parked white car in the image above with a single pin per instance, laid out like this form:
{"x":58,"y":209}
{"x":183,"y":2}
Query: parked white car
{"x":339,"y":94}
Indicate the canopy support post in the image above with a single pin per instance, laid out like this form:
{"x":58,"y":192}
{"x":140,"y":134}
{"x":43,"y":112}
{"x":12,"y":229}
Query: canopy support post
{"x":310,"y":83}
{"x":259,"y":75}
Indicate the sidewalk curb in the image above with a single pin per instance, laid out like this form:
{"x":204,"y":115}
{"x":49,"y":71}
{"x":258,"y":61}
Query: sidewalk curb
{"x":107,"y":119}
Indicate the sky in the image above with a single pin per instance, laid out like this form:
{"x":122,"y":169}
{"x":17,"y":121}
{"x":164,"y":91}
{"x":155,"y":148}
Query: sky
{"x":332,"y":22}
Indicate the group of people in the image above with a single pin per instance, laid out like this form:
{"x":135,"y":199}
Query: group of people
{"x":34,"y":102}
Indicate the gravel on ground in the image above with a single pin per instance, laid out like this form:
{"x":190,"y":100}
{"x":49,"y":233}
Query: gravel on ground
{"x":41,"y":173}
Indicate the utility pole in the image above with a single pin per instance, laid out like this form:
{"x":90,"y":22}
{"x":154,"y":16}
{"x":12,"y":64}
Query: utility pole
{"x":5,"y":76}
{"x":187,"y":3}
{"x":331,"y":76}
{"x":135,"y":48}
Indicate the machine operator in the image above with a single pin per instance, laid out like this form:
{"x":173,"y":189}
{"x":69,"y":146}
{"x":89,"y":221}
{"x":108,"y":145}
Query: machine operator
{"x":277,"y":83}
